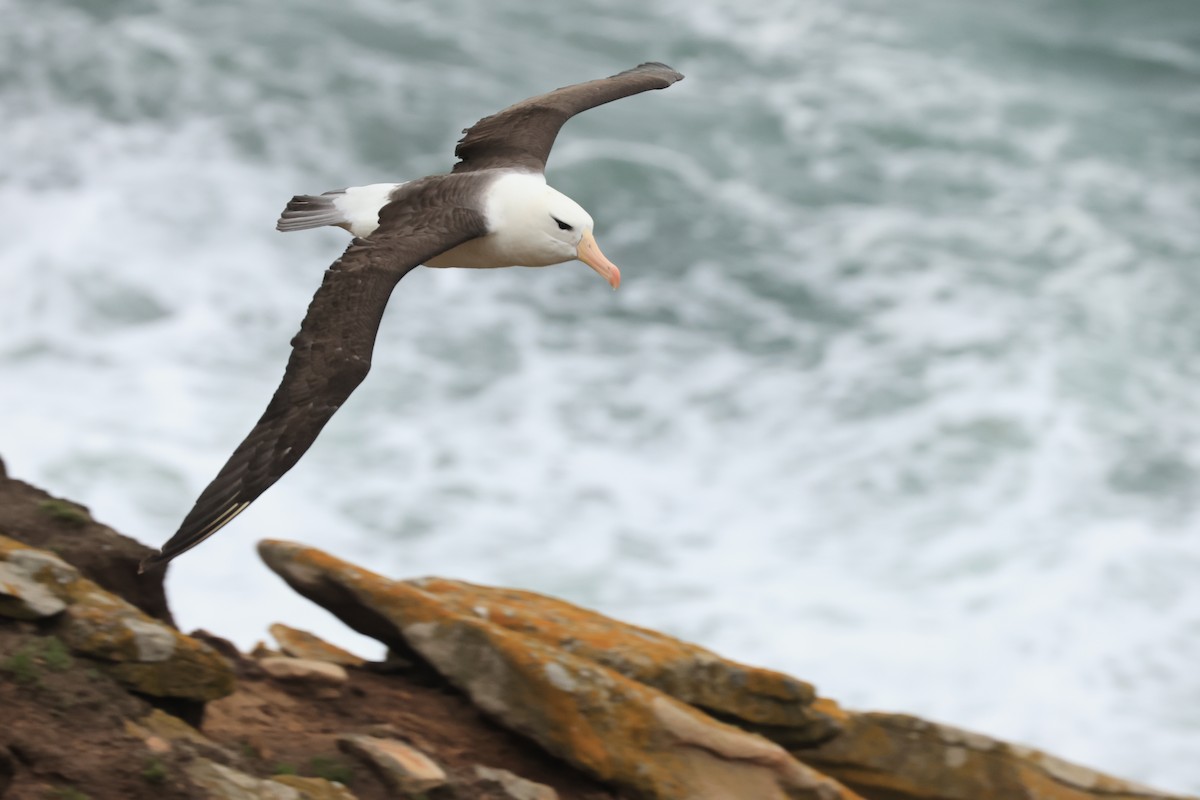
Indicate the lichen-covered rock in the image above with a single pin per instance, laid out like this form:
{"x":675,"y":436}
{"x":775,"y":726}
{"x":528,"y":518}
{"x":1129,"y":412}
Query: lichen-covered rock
{"x":302,"y":644}
{"x":697,"y":676}
{"x":144,"y":654}
{"x":403,"y":768}
{"x":905,"y":758}
{"x":615,"y":728}
{"x":23,"y":571}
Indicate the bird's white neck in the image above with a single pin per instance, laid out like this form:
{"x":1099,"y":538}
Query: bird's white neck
{"x":529,"y":224}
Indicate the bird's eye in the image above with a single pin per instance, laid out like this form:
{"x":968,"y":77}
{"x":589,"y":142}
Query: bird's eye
{"x":562,"y":226}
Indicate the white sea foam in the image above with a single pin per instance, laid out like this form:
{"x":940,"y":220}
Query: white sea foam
{"x":896,"y":395}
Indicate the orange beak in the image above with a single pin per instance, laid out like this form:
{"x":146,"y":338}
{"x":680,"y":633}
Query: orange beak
{"x":589,"y":253}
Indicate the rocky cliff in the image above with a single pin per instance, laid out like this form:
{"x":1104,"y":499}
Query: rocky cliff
{"x":486,"y":693}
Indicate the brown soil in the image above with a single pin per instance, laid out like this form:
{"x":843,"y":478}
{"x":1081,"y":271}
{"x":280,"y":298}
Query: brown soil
{"x":62,"y":722}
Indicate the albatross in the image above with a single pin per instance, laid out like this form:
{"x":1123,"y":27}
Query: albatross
{"x":493,"y":209}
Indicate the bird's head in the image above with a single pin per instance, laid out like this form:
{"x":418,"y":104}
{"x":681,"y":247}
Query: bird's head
{"x":567,"y":230}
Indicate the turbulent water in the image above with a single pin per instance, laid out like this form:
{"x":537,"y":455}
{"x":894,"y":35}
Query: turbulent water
{"x":899,"y":394}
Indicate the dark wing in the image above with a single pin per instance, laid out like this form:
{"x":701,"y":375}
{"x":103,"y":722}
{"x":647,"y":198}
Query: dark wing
{"x":330,"y":357}
{"x":522,"y":134}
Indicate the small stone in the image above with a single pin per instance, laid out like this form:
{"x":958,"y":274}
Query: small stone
{"x":403,"y":768}
{"x":157,"y":744}
{"x":286,"y":668}
{"x":302,"y":644}
{"x":262,"y":651}
{"x":515,"y":786}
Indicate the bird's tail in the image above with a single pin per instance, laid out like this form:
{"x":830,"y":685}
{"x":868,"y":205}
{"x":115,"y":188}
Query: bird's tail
{"x":306,"y":211}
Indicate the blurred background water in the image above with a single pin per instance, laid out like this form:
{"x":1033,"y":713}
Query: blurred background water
{"x":899,"y":393}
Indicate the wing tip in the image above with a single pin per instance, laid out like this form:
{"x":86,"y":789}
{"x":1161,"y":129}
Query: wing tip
{"x":181,"y":542}
{"x":668,"y":73}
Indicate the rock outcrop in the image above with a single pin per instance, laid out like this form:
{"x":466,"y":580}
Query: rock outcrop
{"x":626,"y":704}
{"x":726,"y":689}
{"x":612,"y":726}
{"x":588,"y":708}
{"x":144,"y":654}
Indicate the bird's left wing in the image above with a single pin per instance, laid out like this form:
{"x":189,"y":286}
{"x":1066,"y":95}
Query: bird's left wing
{"x":522,"y":134}
{"x":330,"y":356}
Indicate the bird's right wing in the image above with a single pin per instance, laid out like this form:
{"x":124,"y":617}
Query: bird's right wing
{"x":330,"y":355}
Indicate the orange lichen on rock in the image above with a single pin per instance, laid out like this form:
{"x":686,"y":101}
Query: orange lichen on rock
{"x":686,"y":671}
{"x":615,"y":728}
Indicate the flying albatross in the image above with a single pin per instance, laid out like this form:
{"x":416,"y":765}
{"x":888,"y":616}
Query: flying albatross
{"x":494,"y":209}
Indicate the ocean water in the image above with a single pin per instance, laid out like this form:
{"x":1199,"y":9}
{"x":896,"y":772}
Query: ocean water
{"x":899,"y":394}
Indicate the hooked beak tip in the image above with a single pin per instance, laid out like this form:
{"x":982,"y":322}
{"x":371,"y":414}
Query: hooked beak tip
{"x":589,"y":253}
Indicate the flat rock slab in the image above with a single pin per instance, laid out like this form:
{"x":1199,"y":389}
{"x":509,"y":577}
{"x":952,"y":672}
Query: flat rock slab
{"x":302,"y":644}
{"x":304,"y":670}
{"x":697,"y":676}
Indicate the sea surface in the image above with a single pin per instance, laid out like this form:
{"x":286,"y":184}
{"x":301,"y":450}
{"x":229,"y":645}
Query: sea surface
{"x":901,"y":392}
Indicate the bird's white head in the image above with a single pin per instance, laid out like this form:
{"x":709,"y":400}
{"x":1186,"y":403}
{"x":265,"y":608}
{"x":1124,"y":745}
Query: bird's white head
{"x":571,"y":227}
{"x":541,"y":226}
